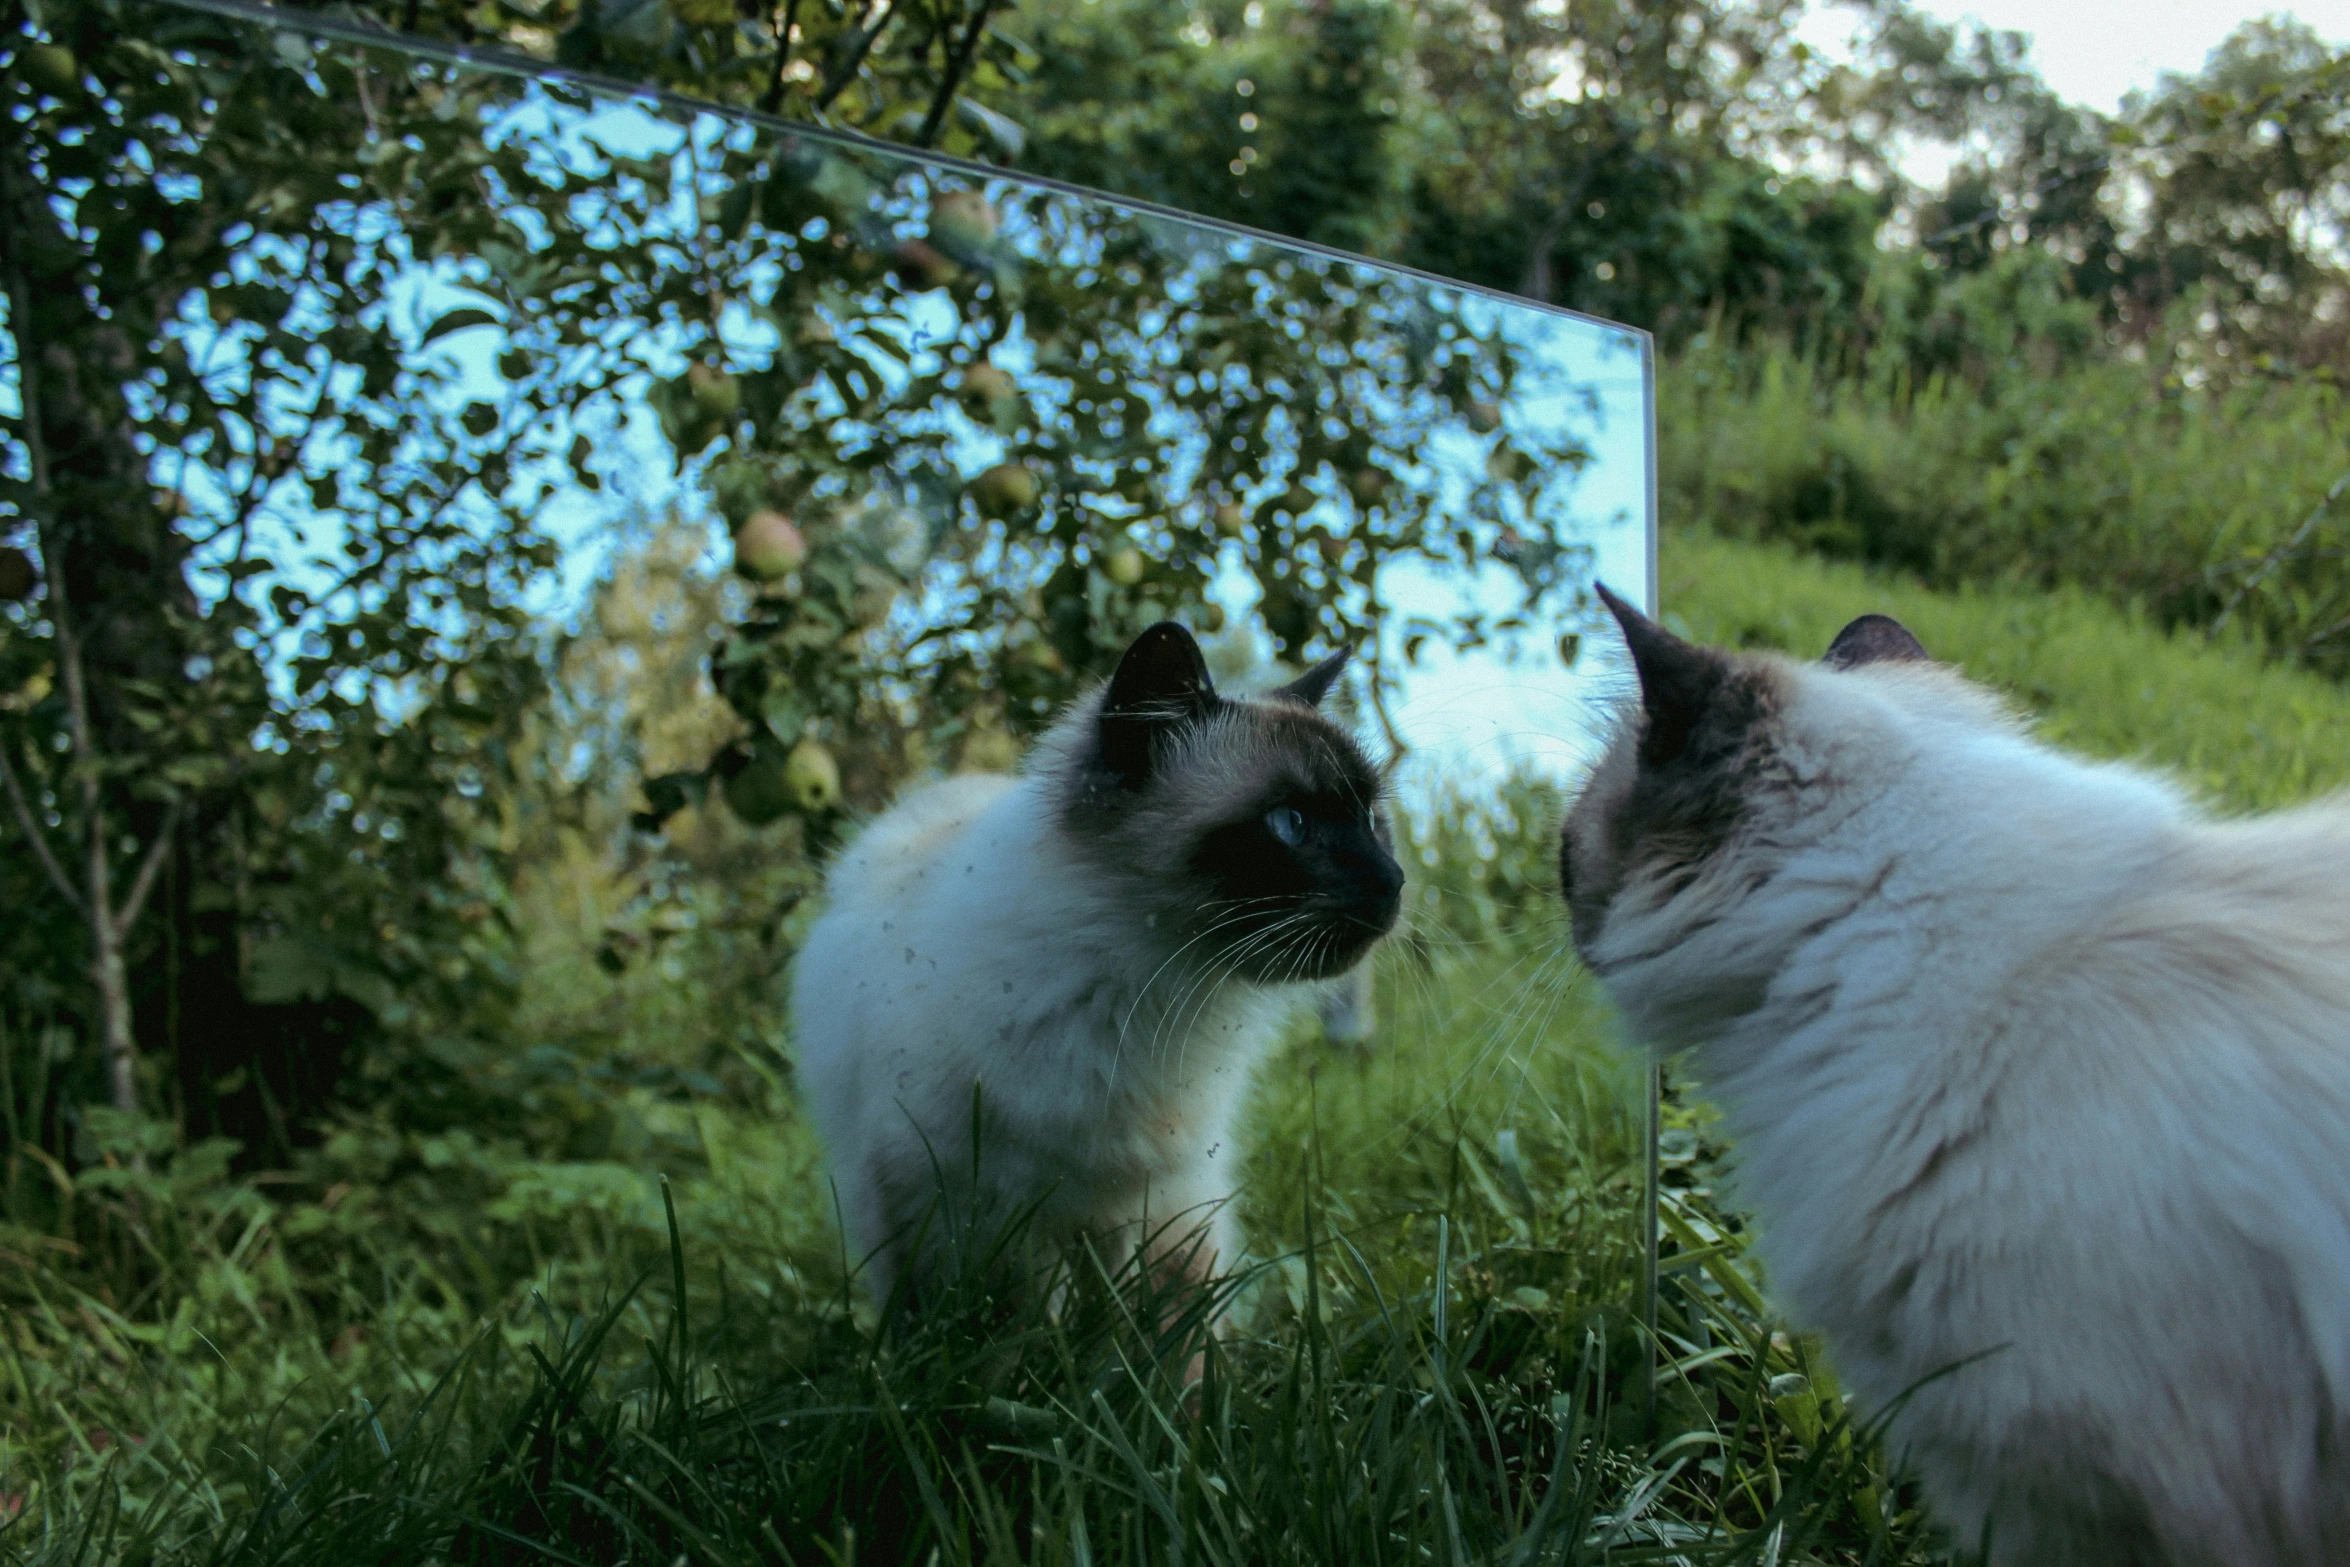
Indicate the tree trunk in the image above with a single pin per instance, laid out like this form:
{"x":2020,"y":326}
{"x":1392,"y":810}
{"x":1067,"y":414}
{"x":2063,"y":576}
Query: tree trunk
{"x":114,"y":1009}
{"x":112,"y":564}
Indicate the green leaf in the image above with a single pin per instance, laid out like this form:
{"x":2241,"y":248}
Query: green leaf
{"x":457,"y":321}
{"x":1003,"y":131}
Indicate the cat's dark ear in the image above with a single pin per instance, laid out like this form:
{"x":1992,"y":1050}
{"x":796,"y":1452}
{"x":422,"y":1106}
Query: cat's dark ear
{"x":1316,"y":682}
{"x":1873,"y":639}
{"x":1678,"y":680}
{"x":1162,"y":683}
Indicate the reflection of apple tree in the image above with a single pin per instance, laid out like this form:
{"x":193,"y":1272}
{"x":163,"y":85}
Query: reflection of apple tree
{"x":331,"y":337}
{"x":970,"y":442}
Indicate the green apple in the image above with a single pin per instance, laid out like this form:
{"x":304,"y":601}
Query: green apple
{"x":1125,"y":566}
{"x":50,"y":68}
{"x":757,"y":792}
{"x":989,"y":395}
{"x":963,"y":221}
{"x":768,"y":546}
{"x":1006,"y":488}
{"x":812,"y":776}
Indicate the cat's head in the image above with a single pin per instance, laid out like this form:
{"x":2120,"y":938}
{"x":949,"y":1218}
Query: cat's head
{"x":1729,"y":763}
{"x":1252,"y":831}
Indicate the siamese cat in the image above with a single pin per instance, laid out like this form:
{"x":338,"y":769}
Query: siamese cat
{"x":1034,"y":1001}
{"x":2040,"y":1081}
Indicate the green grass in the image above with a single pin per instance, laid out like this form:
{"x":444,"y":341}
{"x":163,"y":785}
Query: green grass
{"x":461,"y":1348}
{"x":2246,"y":732}
{"x":2199,"y":505}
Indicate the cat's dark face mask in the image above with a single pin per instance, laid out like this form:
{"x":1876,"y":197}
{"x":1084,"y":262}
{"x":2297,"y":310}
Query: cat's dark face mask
{"x":1675,"y":783}
{"x":1303,"y":887}
{"x":1256,"y":828}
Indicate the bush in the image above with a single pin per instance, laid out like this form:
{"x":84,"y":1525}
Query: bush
{"x":2202,"y":508}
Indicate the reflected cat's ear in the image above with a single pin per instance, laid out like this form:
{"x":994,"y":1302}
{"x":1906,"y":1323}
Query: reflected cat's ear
{"x":1677,"y":680}
{"x":1162,"y":683}
{"x":1316,"y":682}
{"x":1873,"y":639}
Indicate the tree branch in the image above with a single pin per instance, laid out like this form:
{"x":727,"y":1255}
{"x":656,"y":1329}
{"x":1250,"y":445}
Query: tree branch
{"x":31,"y":825}
{"x":772,"y":99}
{"x":95,"y":903}
{"x":28,"y":397}
{"x":859,"y":45}
{"x":1537,"y":283}
{"x":958,"y":71}
{"x":144,"y":883}
{"x":45,"y":526}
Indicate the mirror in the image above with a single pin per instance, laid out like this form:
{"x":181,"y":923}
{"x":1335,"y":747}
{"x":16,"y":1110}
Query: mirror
{"x":988,"y":428}
{"x":697,"y":481}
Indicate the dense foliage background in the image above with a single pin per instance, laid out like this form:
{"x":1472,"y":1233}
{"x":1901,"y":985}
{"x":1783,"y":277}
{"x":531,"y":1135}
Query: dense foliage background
{"x":330,"y":1024}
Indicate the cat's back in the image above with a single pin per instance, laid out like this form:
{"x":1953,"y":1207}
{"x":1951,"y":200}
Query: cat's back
{"x":893,"y":888}
{"x":868,"y":974}
{"x":2151,"y":1212}
{"x":2247,"y":925}
{"x":2285,"y":872}
{"x":894,"y":858}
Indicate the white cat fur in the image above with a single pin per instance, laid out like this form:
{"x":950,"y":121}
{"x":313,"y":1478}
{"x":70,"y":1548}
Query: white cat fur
{"x":2040,"y":1083}
{"x":965,"y":943}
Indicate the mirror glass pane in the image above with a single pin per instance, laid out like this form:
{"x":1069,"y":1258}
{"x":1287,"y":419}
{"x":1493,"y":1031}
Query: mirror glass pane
{"x":577,"y":510}
{"x":984,"y":428}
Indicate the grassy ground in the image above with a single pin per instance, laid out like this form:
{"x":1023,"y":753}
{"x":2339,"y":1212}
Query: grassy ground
{"x":471,"y":1356}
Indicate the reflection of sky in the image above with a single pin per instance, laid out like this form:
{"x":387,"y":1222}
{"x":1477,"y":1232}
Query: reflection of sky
{"x":1471,"y":716}
{"x":1465,"y":715}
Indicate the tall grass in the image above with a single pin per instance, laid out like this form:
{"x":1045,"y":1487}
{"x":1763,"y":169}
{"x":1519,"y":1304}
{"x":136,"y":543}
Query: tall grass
{"x":1433,"y":1360}
{"x":2206,"y":508}
{"x":1434,"y":1357}
{"x":454,"y":1347}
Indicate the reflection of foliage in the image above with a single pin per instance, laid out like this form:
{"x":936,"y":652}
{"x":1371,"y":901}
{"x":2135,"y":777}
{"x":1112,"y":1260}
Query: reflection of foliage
{"x":1635,"y":159}
{"x":279,"y":645}
{"x":1009,"y":429}
{"x":324,"y":348}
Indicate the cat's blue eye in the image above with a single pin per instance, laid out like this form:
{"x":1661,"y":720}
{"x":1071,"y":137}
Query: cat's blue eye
{"x":1286,"y":823}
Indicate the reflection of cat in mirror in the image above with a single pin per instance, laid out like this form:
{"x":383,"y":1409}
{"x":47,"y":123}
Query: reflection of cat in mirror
{"x":1080,"y":966}
{"x":2040,"y":1082}
{"x":1347,"y":1007}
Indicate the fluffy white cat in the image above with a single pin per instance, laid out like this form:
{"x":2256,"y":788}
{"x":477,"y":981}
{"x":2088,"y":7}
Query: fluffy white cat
{"x":2040,"y":1080}
{"x":1036,"y":1000}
